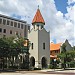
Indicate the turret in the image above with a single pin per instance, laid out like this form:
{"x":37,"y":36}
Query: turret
{"x":38,"y":21}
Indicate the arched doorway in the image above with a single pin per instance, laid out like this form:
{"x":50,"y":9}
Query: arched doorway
{"x":32,"y":61}
{"x":44,"y":62}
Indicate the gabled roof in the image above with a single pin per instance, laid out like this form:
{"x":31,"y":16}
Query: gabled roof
{"x":55,"y":46}
{"x":38,"y":18}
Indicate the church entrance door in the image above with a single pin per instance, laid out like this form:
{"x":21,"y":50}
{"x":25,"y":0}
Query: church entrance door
{"x":32,"y":62}
{"x":44,"y":62}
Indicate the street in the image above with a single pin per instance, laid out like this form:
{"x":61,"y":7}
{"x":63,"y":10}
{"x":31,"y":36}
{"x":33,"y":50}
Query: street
{"x":41,"y":72}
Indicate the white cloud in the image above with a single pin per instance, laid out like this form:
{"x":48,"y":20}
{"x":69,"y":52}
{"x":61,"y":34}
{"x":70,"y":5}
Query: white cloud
{"x":39,"y":2}
{"x":70,"y":15}
{"x":70,"y":1}
{"x":59,"y":14}
{"x":61,"y":28}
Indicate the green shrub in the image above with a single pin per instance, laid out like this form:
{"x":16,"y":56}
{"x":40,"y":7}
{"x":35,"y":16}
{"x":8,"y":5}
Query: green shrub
{"x":13,"y":67}
{"x":72,"y":64}
{"x":51,"y":66}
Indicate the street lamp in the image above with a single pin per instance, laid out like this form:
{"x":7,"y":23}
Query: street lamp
{"x":26,"y":45}
{"x":54,"y":63}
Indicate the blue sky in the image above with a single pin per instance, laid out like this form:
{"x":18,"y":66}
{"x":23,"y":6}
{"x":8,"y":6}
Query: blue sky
{"x":61,"y":5}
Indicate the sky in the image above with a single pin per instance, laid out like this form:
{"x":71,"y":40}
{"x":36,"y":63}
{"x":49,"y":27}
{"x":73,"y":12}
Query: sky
{"x":58,"y":15}
{"x":61,"y":5}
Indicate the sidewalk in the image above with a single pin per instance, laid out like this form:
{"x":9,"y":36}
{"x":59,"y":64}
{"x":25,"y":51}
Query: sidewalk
{"x":59,"y":70}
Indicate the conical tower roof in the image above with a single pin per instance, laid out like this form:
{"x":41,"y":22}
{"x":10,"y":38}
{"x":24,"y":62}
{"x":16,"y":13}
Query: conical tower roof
{"x":38,"y":18}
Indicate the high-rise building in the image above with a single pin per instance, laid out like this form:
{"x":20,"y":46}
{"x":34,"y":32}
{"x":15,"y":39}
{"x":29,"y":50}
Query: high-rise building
{"x":11,"y":27}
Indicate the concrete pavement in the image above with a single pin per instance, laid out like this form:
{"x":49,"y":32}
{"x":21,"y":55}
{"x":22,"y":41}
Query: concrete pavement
{"x":59,"y":70}
{"x":24,"y":74}
{"x":41,"y":72}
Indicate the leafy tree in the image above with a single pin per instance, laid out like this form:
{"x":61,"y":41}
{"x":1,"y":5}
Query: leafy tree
{"x":12,"y":47}
{"x":73,"y":47}
{"x":3,"y":50}
{"x":15,"y":46}
{"x":66,"y":55}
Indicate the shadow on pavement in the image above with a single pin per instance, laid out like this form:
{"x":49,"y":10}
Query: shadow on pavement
{"x":7,"y":70}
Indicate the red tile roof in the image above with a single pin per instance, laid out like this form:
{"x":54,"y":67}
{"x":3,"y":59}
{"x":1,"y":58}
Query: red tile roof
{"x":55,"y":46}
{"x":38,"y":18}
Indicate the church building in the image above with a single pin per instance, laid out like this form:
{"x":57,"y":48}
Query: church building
{"x":40,"y":43}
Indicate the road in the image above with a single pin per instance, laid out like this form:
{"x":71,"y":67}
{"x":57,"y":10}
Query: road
{"x":43,"y":72}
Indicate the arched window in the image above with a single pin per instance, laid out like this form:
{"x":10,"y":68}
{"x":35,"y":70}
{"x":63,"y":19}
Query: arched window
{"x":32,"y":45}
{"x":43,"y":45}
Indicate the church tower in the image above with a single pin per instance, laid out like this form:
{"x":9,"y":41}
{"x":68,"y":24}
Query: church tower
{"x":40,"y":41}
{"x":38,"y":21}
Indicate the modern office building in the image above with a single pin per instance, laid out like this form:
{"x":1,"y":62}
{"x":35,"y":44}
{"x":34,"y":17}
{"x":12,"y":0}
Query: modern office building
{"x":11,"y":27}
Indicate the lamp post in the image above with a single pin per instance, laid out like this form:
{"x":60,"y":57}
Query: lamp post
{"x":27,"y":54}
{"x":54,"y":63}
{"x":26,"y":45}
